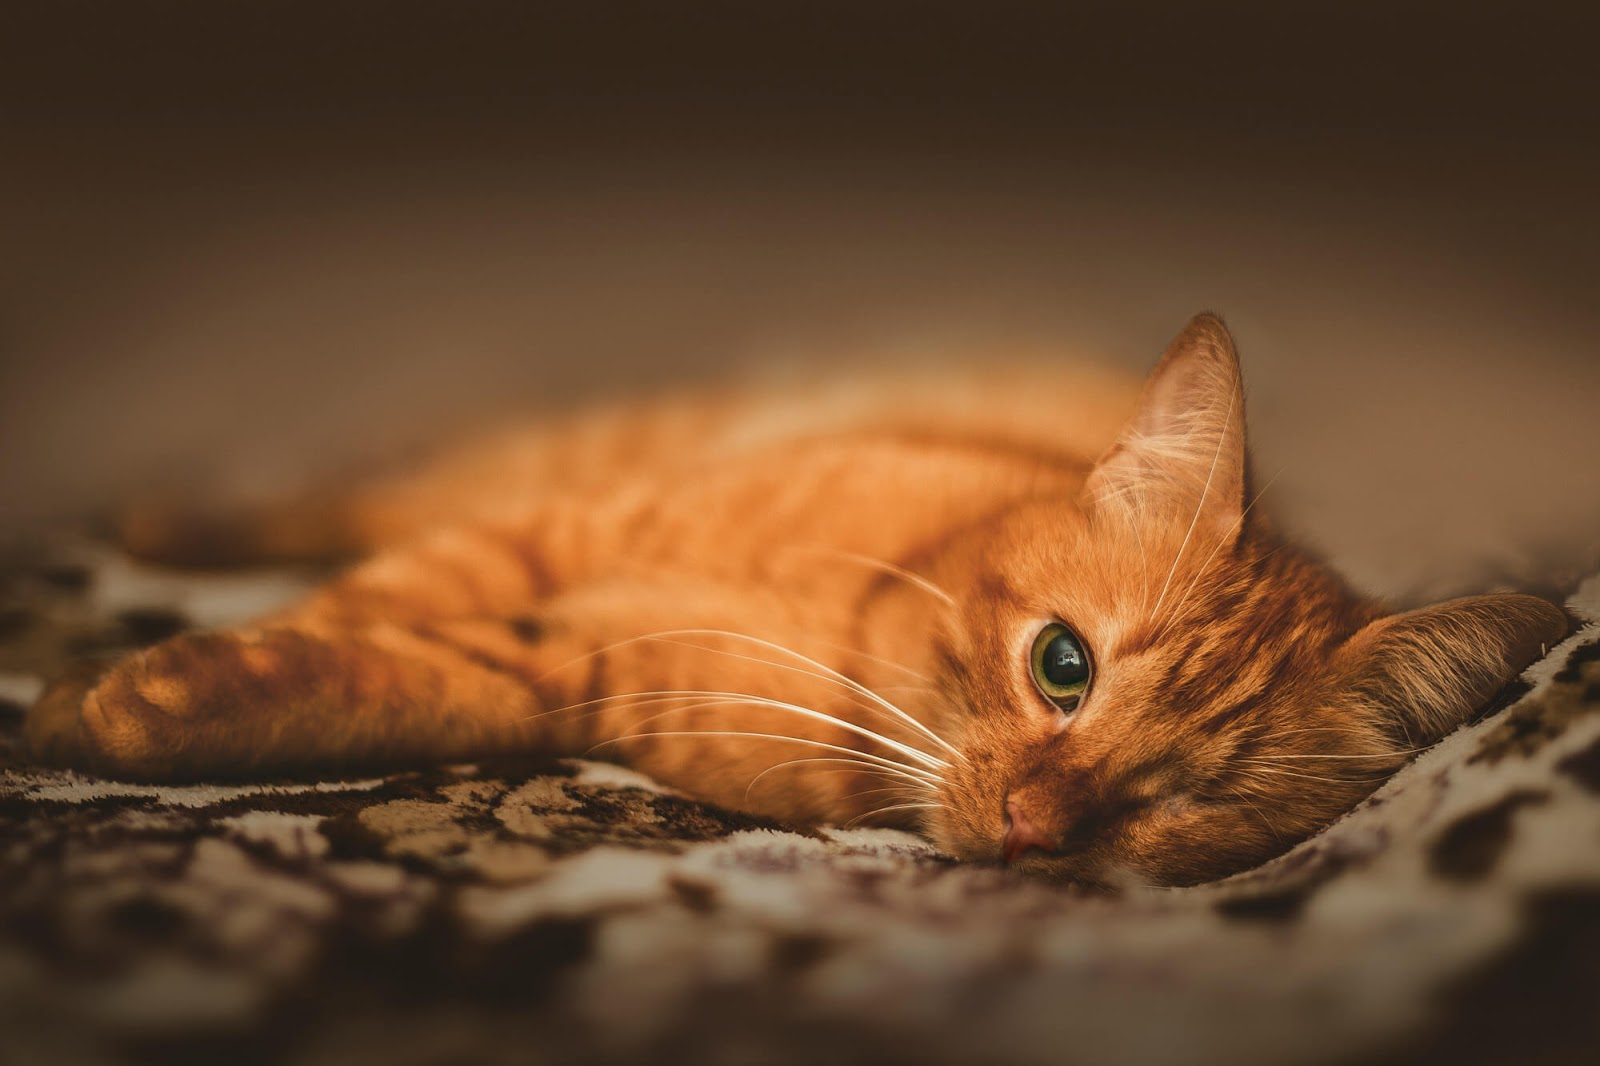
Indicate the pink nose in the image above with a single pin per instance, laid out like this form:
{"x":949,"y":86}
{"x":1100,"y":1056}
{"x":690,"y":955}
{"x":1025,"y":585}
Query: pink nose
{"x":1021,"y":834}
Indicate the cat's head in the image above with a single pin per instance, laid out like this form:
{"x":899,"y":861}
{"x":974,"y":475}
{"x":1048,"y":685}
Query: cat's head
{"x":1146,"y":682}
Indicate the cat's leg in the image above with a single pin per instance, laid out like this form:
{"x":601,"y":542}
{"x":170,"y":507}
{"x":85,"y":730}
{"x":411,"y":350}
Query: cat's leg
{"x":350,"y":674}
{"x":689,"y":683}
{"x":303,"y":696}
{"x":276,"y":699}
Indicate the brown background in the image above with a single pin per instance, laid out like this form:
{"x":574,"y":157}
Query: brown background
{"x":240,"y":245}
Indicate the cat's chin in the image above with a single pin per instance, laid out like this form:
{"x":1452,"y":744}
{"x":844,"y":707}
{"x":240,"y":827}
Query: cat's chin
{"x":1103,"y":878}
{"x":1084,"y":872}
{"x":1059,"y":869}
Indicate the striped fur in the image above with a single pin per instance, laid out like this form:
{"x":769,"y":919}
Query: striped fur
{"x":821,"y":608}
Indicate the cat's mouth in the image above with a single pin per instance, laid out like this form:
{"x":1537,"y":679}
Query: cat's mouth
{"x":1013,"y":843}
{"x":1095,"y":852}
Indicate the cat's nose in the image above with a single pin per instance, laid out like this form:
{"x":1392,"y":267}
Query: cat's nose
{"x":1021,"y":834}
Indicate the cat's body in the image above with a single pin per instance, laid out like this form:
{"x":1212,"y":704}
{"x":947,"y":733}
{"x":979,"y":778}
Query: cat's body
{"x":833,"y":609}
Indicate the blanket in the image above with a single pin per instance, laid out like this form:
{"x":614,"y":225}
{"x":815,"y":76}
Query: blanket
{"x":568,"y":911}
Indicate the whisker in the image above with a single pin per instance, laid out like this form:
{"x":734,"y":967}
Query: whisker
{"x":915,"y":675}
{"x":1271,"y":553}
{"x":890,"y":763}
{"x":916,"y":580}
{"x":1144,"y":567}
{"x":779,"y":666}
{"x":1270,"y":770}
{"x":1339,"y":730}
{"x":1131,"y":518}
{"x":828,"y":674}
{"x":896,"y":792}
{"x":893,"y":807}
{"x":901,"y":789}
{"x":640,"y":699}
{"x":1239,"y":795}
{"x":1222,"y":439}
{"x":855,"y":766}
{"x":914,"y":752}
{"x":1376,"y":755}
{"x":713,"y":698}
{"x":1310,"y":729}
{"x":720,"y":698}
{"x":1174,"y":613}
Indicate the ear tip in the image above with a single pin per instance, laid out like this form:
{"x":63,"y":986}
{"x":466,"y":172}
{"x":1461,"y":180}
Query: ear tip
{"x":1545,"y":620}
{"x":1433,"y":666}
{"x":1528,"y":625}
{"x":1205,"y":333}
{"x":1209,"y":323}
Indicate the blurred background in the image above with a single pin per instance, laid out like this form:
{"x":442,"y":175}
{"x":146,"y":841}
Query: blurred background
{"x":242,"y":243}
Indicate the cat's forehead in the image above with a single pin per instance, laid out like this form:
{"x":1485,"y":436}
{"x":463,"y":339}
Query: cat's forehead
{"x":1170,"y":599}
{"x":1109,"y":587}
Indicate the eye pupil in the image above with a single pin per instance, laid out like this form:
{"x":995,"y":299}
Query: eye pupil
{"x":1063,"y":661}
{"x":1060,"y":665}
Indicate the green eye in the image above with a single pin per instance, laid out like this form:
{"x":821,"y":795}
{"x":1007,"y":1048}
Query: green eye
{"x":1060,"y":665}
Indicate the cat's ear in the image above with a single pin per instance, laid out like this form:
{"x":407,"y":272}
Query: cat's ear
{"x":1183,"y":453}
{"x":1424,"y":672}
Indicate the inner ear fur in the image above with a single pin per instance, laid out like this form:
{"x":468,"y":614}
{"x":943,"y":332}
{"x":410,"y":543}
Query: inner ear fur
{"x":1424,"y":672}
{"x":1183,"y":452}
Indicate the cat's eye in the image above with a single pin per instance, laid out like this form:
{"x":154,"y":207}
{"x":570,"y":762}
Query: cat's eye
{"x":1061,"y":666}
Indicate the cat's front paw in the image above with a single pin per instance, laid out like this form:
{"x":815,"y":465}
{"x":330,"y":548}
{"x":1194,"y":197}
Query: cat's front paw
{"x":54,"y":731}
{"x":135,"y":718}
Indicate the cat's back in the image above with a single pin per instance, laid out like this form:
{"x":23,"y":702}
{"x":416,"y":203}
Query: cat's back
{"x":1070,"y":411}
{"x":877,"y":464}
{"x":889,"y":440}
{"x":871,"y":462}
{"x":1052,"y":413}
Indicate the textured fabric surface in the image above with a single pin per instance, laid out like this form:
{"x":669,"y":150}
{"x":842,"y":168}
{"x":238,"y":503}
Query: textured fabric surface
{"x":569,"y":911}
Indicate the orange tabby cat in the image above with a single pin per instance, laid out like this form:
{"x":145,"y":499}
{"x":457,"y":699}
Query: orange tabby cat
{"x":966,"y":607}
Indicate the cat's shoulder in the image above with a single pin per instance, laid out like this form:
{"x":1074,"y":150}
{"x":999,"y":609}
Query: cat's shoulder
{"x":1071,"y":406}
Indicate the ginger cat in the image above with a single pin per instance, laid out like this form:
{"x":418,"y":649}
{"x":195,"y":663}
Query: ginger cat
{"x":1034,"y":617}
